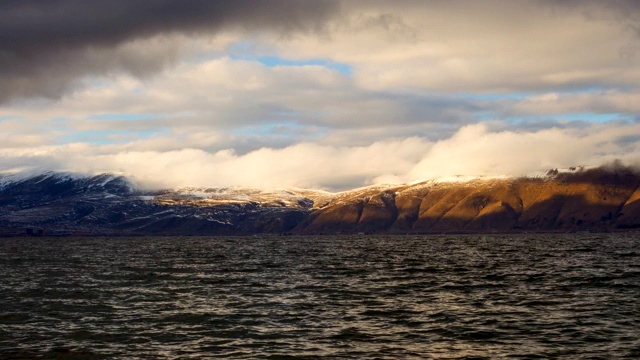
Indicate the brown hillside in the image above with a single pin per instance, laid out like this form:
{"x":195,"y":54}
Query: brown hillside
{"x":598,"y":199}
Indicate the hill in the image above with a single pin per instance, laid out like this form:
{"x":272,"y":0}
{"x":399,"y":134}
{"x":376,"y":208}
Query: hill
{"x":598,"y":199}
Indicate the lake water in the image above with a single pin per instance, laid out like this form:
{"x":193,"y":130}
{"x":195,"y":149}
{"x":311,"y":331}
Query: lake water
{"x":567,"y":296}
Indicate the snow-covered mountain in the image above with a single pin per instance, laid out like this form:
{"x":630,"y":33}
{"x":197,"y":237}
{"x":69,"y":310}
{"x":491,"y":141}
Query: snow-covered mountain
{"x":565,"y":200}
{"x":64,"y":203}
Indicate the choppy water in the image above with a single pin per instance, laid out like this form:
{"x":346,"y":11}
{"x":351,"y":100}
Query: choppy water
{"x":384,"y":297}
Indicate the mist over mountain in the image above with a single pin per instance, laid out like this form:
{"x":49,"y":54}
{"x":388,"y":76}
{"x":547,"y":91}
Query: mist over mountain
{"x":577,"y":199}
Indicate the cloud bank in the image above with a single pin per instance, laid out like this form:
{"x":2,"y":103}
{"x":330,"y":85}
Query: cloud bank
{"x":473,"y":150}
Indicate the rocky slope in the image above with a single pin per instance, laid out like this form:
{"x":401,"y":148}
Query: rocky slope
{"x":595,"y":199}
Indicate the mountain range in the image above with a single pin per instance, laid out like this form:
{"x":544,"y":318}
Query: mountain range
{"x":575,"y":199}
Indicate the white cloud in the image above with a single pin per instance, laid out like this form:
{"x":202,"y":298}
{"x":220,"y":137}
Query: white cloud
{"x":304,"y":165}
{"x":239,"y":99}
{"x":473,"y":151}
{"x":471,"y":46}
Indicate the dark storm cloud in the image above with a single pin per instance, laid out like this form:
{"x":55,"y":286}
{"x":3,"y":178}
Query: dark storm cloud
{"x":46,"y":45}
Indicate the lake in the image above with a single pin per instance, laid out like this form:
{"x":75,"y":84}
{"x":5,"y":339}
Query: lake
{"x":349,"y":297}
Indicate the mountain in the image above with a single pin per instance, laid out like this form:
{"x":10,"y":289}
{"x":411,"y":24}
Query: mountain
{"x":65,"y":204}
{"x":599,"y":199}
{"x":578,"y":199}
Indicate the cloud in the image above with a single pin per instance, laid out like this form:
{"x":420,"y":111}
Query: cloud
{"x":274,"y":106}
{"x":46,"y":47}
{"x":327,"y":93}
{"x":474,"y":150}
{"x":477,"y":151}
{"x":304,"y":165}
{"x":597,"y":102}
{"x":489,"y":46}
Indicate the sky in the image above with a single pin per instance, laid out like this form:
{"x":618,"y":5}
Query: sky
{"x":323,"y":94}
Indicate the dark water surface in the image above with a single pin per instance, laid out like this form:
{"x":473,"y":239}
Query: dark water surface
{"x":360,"y":297}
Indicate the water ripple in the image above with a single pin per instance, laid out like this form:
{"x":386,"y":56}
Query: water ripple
{"x":379,"y":297}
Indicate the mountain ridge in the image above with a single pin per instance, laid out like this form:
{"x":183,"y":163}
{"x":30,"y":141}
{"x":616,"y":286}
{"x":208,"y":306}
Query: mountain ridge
{"x":581,"y":199}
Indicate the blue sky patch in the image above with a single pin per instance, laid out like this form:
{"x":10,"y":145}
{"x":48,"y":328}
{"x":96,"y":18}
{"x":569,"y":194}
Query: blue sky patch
{"x":280,"y":129}
{"x":274,"y":61}
{"x":250,"y":51}
{"x":593,"y":117}
{"x":9,"y":117}
{"x":105,"y":137}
